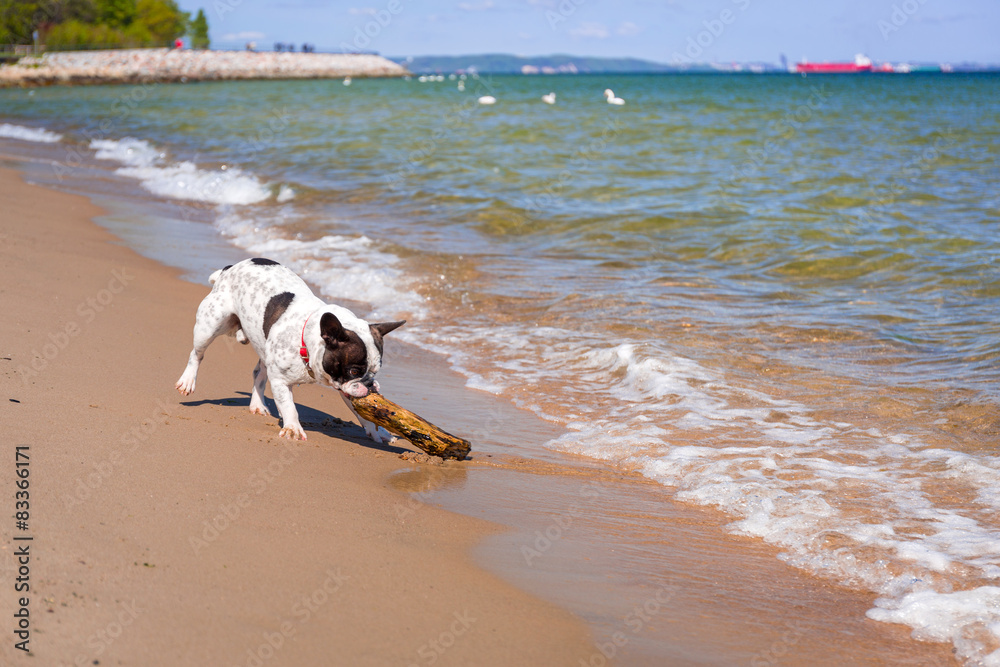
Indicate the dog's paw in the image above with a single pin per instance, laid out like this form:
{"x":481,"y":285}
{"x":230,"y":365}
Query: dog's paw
{"x":259,"y":410}
{"x":293,"y":433}
{"x":378,"y":434}
{"x":185,"y":386}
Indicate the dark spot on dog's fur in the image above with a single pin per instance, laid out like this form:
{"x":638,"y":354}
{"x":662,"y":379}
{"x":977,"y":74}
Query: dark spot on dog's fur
{"x":261,"y":261}
{"x":344,"y":350}
{"x":276,"y":307}
{"x":226,"y":268}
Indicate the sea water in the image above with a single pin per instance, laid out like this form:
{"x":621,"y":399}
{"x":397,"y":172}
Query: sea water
{"x":777,"y":295}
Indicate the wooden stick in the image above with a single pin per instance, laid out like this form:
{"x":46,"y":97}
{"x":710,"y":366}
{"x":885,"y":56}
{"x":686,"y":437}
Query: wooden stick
{"x":379,"y":410}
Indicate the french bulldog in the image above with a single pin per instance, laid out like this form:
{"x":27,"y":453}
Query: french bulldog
{"x":299,"y":339}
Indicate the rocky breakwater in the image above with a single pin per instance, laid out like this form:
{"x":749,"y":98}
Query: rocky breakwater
{"x":169,"y":65}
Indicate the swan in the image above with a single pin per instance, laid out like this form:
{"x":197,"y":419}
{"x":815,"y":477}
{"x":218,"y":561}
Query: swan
{"x":549,"y":99}
{"x":610,"y":95}
{"x":487,"y":99}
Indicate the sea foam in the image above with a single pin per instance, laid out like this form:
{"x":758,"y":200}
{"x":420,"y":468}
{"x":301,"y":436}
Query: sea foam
{"x":842,"y":500}
{"x":343,"y":267}
{"x":180,"y":180}
{"x":35,"y":134}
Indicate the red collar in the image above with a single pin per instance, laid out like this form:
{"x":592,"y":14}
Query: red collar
{"x":304,"y":351}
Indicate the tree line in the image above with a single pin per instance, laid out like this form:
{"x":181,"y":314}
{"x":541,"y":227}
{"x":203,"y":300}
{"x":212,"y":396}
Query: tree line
{"x":83,"y":24}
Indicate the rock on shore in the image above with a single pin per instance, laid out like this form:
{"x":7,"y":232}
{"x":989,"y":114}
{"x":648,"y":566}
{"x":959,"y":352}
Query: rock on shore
{"x":166,"y":65}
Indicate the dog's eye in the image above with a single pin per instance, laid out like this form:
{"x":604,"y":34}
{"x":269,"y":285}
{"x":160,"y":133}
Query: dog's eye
{"x":355,"y":372}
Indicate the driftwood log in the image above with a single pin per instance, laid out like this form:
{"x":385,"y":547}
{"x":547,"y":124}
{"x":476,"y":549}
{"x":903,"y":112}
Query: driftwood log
{"x":379,"y":410}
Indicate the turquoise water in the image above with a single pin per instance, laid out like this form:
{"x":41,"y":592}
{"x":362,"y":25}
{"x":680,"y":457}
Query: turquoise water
{"x":776,"y":294}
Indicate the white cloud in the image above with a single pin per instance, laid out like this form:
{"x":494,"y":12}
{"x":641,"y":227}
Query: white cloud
{"x":628,"y":29}
{"x":248,"y":35}
{"x":591,"y":29}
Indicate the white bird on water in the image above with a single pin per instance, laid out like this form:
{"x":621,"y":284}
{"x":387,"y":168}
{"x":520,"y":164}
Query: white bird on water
{"x":610,"y":95}
{"x":549,"y":99}
{"x":347,"y":80}
{"x":487,"y":99}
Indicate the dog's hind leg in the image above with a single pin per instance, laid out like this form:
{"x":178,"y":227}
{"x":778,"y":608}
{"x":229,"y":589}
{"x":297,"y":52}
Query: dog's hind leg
{"x":257,"y":393}
{"x":215,"y":318}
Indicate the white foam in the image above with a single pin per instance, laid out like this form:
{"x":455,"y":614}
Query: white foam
{"x":23,"y":133}
{"x":128,"y":151}
{"x":285,"y":194}
{"x":344,"y":267}
{"x":186,"y":181}
{"x":844,"y":501}
{"x":968,"y":619}
{"x":180,"y":180}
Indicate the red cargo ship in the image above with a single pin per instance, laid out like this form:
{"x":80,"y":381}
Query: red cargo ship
{"x":861,"y":64}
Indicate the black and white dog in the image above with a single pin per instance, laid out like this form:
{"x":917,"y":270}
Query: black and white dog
{"x":299,"y":339}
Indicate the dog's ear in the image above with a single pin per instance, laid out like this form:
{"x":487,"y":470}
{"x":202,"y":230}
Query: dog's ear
{"x":385,"y":327}
{"x":332,"y":330}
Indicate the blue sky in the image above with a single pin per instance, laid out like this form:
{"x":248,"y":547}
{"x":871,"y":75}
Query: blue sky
{"x":660,"y":30}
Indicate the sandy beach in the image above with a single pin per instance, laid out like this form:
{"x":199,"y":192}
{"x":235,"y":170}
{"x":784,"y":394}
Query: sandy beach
{"x":170,"y":531}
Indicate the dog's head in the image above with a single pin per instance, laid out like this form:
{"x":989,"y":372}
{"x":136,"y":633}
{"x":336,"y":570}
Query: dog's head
{"x":353,"y":352}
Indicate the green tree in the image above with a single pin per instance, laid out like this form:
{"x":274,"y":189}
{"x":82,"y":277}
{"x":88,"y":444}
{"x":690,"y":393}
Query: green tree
{"x":19,"y":20}
{"x":75,"y":24}
{"x":162,"y":21}
{"x":75,"y":34}
{"x":116,"y":13}
{"x":199,"y":31}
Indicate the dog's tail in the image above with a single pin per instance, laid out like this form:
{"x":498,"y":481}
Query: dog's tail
{"x":212,"y":279}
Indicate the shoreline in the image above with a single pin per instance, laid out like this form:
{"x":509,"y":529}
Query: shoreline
{"x":168,"y":531}
{"x":723,"y":583}
{"x":161,"y":65}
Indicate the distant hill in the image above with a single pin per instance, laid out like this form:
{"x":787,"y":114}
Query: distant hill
{"x":504,"y":63}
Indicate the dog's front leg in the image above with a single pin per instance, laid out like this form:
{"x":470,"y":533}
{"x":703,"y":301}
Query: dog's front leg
{"x":374,"y":432}
{"x":286,"y":408}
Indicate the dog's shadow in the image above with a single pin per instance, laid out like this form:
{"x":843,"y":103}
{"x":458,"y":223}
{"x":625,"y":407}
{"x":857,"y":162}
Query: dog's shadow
{"x":311,"y":420}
